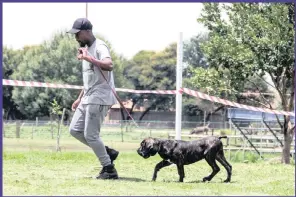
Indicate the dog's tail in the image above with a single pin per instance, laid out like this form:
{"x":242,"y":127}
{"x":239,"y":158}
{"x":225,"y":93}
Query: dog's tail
{"x":224,"y":136}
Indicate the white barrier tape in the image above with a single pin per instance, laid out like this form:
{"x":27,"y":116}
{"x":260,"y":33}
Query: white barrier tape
{"x":233,"y":104}
{"x":147,"y":91}
{"x":185,"y":90}
{"x":51,"y":85}
{"x":37,"y":84}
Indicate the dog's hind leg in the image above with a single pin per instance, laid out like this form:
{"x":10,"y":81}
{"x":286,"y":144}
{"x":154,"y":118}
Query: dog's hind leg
{"x":181,"y":172}
{"x":220,"y":157}
{"x":158,"y":166}
{"x":210,"y":158}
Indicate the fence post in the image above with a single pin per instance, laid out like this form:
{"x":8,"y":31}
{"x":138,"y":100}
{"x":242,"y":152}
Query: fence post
{"x":3,"y":113}
{"x":261,"y":140}
{"x":121,"y":134}
{"x":121,"y":129}
{"x":126,"y":125}
{"x":244,"y":149}
{"x":37,"y":126}
{"x":32,"y":131}
{"x":51,"y":126}
{"x":18,"y":128}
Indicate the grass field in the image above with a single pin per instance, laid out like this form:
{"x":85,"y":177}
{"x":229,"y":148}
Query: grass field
{"x":32,"y":167}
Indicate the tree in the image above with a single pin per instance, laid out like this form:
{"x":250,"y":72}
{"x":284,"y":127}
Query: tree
{"x":54,"y":61}
{"x":193,"y":54}
{"x":9,"y":63}
{"x":149,"y":70}
{"x":255,"y":39}
{"x":198,"y":76}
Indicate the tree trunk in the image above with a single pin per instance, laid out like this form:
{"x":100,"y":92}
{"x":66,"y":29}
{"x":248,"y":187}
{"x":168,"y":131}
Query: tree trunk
{"x":131,"y":111}
{"x":286,"y":149}
{"x":122,"y":114}
{"x":288,"y":138}
{"x":60,"y":123}
{"x":148,"y":109}
{"x":144,"y":113}
{"x":214,"y":111}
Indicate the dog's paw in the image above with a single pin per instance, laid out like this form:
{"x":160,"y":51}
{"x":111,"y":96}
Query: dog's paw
{"x":227,"y":181}
{"x":205,"y":179}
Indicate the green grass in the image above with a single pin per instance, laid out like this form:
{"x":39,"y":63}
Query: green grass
{"x":45,"y":172}
{"x":32,"y":167}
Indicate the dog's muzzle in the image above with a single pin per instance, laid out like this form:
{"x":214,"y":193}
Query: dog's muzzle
{"x":143,"y":154}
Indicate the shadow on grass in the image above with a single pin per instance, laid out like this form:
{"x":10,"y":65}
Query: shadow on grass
{"x":120,"y":179}
{"x":208,"y":182}
{"x":131,"y":179}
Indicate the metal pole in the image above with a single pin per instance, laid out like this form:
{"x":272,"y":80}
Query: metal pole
{"x":178,"y":86}
{"x":86,"y":10}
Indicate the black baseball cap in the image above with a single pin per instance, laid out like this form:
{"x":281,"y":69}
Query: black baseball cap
{"x":80,"y":24}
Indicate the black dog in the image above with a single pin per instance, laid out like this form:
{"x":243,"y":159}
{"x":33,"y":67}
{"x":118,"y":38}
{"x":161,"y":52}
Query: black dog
{"x":183,"y":153}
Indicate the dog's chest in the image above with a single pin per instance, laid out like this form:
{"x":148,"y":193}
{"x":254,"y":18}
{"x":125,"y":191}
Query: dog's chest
{"x":171,"y":157}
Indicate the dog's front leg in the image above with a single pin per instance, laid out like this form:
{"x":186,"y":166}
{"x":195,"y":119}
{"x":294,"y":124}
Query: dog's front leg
{"x":158,"y":166}
{"x":181,"y":172}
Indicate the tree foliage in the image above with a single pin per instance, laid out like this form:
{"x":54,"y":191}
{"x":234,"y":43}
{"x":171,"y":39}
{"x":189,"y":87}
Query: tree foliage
{"x":199,"y":76}
{"x":150,"y":70}
{"x":53,"y":61}
{"x":254,"y":39}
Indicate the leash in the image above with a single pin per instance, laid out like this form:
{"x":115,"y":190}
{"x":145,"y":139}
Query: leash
{"x":114,"y":92}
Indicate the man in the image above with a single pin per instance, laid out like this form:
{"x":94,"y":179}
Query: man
{"x":96,"y":98}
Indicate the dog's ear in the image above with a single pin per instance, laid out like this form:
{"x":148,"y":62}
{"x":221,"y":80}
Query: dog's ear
{"x":155,"y":147}
{"x":142,"y":143}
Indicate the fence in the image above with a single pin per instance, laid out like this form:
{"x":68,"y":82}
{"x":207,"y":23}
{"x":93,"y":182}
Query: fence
{"x":45,"y":134}
{"x":122,"y":131}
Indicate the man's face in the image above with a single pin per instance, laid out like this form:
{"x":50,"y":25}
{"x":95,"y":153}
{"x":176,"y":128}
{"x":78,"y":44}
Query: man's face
{"x":82,"y":38}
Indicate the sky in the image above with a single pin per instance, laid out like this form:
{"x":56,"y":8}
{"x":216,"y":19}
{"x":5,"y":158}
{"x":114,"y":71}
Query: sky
{"x":130,"y":27}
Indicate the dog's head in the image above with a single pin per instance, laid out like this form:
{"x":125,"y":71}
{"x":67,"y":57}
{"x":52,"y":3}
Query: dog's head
{"x":148,"y":147}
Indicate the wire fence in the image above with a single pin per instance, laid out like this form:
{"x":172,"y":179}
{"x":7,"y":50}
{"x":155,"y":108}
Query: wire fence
{"x":55,"y":134}
{"x":124,"y":131}
{"x":127,"y":131}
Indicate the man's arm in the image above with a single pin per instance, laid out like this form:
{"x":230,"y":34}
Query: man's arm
{"x":78,"y":100}
{"x":104,"y":64}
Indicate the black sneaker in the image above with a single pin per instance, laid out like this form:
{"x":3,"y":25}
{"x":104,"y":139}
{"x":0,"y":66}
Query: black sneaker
{"x":112,"y":153}
{"x":108,"y":172}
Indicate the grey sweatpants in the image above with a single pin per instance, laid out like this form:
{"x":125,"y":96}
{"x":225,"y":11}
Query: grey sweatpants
{"x":85,"y":127}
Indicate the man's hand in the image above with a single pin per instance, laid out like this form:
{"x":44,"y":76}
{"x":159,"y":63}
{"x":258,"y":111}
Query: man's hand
{"x":82,"y":55}
{"x":75,"y":104}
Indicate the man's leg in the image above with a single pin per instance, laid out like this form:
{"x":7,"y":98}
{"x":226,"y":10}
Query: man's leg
{"x":77,"y":130}
{"x":77,"y":124}
{"x":94,"y":118}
